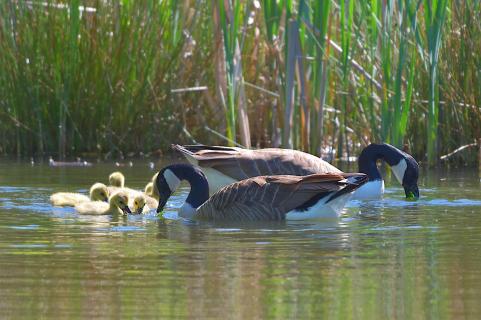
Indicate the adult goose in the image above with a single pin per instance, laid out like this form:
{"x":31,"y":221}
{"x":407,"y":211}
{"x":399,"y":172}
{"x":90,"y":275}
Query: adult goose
{"x":259,"y":198}
{"x":225,"y":165}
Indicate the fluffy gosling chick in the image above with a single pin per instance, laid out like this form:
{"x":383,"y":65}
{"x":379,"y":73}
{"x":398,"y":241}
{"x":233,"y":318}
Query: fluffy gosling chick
{"x":155,"y":191}
{"x":142,"y":205}
{"x":117,"y":179}
{"x":118,"y":204}
{"x":98,"y":192}
{"x":149,"y":189}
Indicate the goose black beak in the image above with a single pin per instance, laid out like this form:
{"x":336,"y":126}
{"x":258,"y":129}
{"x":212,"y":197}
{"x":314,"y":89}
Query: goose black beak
{"x":412,"y":192}
{"x":161,"y":206}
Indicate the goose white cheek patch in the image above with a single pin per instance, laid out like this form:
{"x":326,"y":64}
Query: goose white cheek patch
{"x":399,"y":170}
{"x":172,"y":180}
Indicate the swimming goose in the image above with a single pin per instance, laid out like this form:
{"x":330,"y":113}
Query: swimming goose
{"x":225,"y":165}
{"x":118,"y":204}
{"x":98,"y":192}
{"x":259,"y":198}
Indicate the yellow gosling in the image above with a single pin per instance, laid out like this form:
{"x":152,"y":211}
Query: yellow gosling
{"x":149,"y":189}
{"x":98,"y":192}
{"x":118,"y":204}
{"x":142,"y":205}
{"x":117,"y":179}
{"x":155,"y":191}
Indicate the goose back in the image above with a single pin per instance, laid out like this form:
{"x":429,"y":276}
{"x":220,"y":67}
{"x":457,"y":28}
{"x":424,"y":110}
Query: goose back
{"x":239,"y":164}
{"x":272,"y":197}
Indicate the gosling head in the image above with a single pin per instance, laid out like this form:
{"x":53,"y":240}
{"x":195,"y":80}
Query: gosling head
{"x":139,"y":204}
{"x":120,"y":200}
{"x":99,"y":192}
{"x":117,"y":179}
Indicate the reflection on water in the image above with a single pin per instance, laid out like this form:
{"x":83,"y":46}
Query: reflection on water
{"x":382,"y":259}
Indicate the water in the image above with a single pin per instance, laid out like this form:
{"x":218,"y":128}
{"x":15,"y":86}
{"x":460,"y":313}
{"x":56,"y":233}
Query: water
{"x":381,"y":260}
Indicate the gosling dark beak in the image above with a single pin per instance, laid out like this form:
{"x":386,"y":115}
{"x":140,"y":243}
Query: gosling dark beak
{"x":106,"y":199}
{"x":139,"y":210}
{"x":412,"y":192}
{"x":126,"y":210}
{"x":161,"y":206}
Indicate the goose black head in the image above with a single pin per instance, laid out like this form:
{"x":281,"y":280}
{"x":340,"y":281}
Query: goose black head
{"x":403,"y":165}
{"x":169,"y":178}
{"x":410,"y":178}
{"x":406,"y":170}
{"x":166,"y":183}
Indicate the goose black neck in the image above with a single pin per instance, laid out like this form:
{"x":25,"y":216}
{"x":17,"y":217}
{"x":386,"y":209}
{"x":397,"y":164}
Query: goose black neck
{"x":199,"y":187}
{"x":372,"y":153}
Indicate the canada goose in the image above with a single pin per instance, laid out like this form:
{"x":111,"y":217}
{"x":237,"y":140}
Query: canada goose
{"x":118,"y":204}
{"x":98,"y":192}
{"x":260,"y":198}
{"x":225,"y":165}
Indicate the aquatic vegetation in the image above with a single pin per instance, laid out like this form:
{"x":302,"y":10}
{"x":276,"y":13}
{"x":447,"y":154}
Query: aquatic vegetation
{"x":310,"y":75}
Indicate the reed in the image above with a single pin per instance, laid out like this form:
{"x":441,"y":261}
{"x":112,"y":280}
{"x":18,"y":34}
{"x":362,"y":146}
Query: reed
{"x":434,"y":17}
{"x":320,"y":76}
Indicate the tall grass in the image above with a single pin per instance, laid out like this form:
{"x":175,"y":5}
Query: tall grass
{"x":320,"y":76}
{"x":434,"y":16}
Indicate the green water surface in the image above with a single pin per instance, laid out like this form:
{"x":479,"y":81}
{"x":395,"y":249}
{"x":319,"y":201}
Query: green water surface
{"x":387,"y":259}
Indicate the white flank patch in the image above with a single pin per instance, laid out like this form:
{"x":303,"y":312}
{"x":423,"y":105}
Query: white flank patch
{"x":321,"y":210}
{"x":372,"y":190}
{"x":399,"y":170}
{"x":187,"y":211}
{"x":216,"y":179}
{"x":172,"y":180}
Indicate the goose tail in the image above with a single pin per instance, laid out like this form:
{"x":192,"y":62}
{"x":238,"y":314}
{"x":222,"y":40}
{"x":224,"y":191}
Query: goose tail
{"x":187,"y":152}
{"x":353,"y":181}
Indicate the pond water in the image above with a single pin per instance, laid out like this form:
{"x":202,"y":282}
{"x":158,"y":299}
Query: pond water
{"x":385,"y":259}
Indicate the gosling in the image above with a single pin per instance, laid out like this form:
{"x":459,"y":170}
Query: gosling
{"x":118,"y":204}
{"x":141,"y":204}
{"x":98,"y":192}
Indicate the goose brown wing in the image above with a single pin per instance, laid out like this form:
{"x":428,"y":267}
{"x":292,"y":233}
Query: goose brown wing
{"x":241,"y":164}
{"x":267,"y":197}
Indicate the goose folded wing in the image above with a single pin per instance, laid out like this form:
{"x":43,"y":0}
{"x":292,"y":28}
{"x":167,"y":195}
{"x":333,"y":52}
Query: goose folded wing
{"x":241,"y":164}
{"x":267,"y":198}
